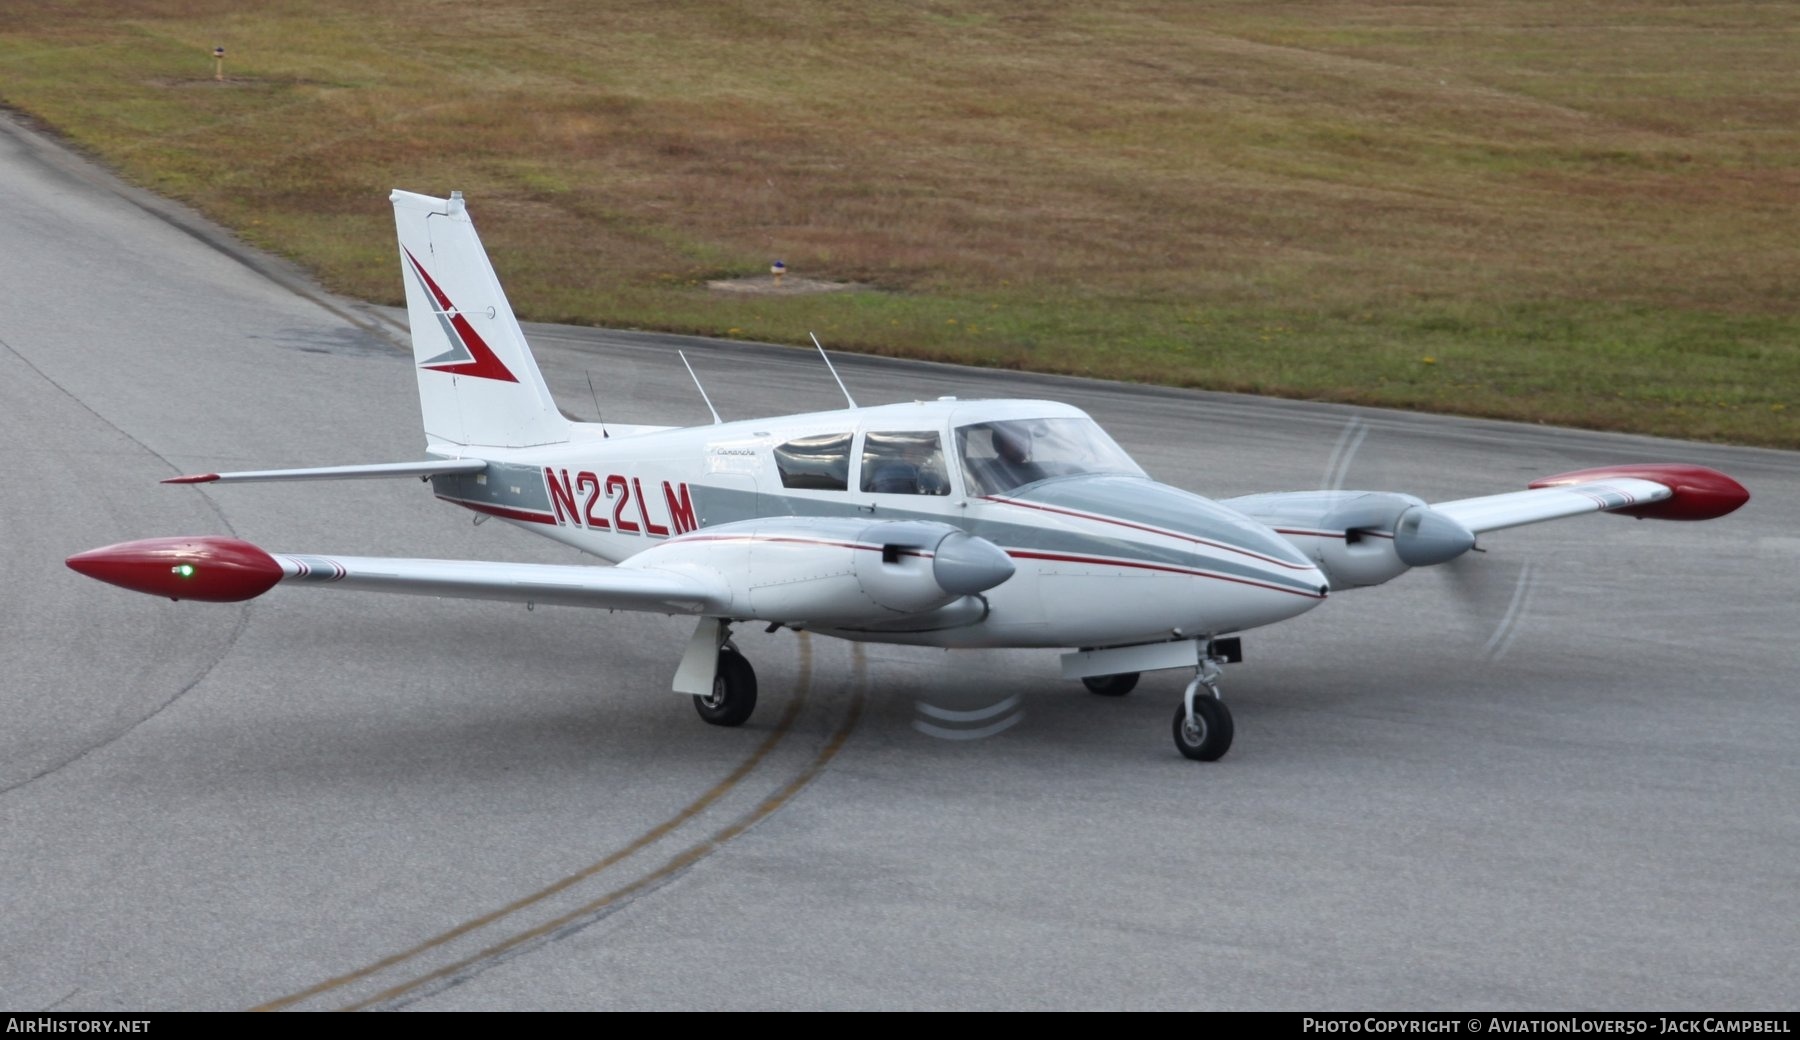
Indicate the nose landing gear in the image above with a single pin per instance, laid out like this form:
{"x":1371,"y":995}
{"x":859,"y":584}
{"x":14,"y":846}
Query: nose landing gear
{"x":1203,"y":727}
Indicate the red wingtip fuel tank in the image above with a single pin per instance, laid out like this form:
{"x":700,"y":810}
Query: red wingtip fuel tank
{"x":214,"y":570}
{"x":1700,"y":493}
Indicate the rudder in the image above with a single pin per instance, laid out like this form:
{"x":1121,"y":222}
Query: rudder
{"x":478,"y":383}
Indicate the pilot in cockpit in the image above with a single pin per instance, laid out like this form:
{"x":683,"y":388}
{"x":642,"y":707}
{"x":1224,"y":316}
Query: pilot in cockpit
{"x":1003,"y":455}
{"x":1012,"y":442}
{"x":1013,"y":465}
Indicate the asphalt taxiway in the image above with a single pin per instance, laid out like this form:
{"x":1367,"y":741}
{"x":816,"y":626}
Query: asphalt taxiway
{"x":1566,"y":782}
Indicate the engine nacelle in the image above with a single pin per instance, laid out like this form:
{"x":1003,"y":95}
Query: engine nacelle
{"x":1361,"y":538}
{"x":1355,"y":559}
{"x":832,"y":571}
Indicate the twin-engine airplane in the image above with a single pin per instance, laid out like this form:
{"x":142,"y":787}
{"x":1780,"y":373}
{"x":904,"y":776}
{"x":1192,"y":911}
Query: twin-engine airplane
{"x":936,"y":523}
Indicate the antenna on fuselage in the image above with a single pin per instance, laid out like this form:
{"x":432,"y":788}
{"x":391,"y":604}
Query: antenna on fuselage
{"x":697,"y":386}
{"x":601,"y":419}
{"x":833,"y":368}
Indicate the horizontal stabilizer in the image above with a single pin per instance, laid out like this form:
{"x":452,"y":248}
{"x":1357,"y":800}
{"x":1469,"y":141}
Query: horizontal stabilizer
{"x":429,"y":468}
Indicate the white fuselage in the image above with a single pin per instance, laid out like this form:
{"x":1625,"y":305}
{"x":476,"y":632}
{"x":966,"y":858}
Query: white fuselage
{"x":1101,"y":558}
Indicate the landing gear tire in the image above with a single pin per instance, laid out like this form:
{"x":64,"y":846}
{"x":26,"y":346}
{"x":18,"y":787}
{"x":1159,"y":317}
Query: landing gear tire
{"x":1111,"y":685}
{"x":734,"y":692}
{"x":1209,"y":736}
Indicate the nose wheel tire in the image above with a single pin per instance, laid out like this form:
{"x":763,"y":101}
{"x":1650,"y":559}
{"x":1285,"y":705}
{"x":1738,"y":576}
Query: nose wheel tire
{"x":1208,"y":736}
{"x":1111,"y":685}
{"x":734,"y":691}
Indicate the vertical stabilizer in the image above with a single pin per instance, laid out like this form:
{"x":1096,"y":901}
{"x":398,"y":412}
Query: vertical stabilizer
{"x":478,"y":384}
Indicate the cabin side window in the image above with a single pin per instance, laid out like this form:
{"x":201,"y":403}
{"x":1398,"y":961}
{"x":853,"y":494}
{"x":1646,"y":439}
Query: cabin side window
{"x":818,"y":463}
{"x":904,"y":463}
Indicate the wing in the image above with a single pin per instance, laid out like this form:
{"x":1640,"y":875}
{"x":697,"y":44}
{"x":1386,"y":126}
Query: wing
{"x":1662,"y":491}
{"x":226,"y":570}
{"x":1364,"y":538}
{"x":574,"y":585}
{"x":793,"y":570}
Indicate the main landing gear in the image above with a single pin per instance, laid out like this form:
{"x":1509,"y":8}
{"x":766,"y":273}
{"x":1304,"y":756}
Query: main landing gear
{"x":733,"y":695}
{"x":1111,"y":685}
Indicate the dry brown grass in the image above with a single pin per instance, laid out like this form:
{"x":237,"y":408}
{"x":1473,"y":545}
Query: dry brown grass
{"x":1306,"y":198}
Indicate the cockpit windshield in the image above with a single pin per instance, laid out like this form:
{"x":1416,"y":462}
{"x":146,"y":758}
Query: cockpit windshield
{"x":998,"y":457}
